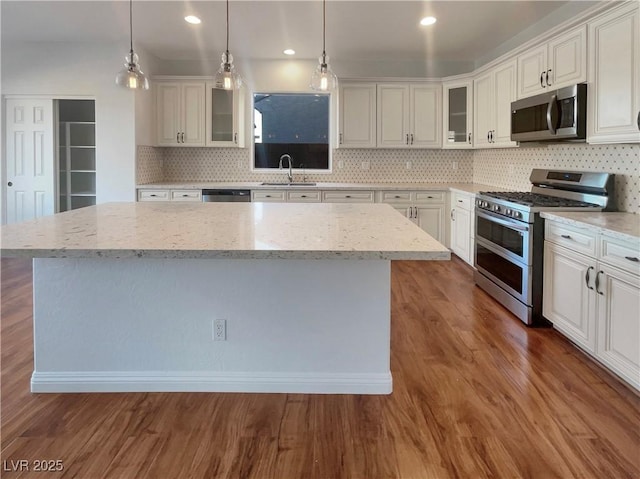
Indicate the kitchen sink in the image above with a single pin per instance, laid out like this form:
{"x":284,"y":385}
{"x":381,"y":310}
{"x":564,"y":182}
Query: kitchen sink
{"x":285,"y":183}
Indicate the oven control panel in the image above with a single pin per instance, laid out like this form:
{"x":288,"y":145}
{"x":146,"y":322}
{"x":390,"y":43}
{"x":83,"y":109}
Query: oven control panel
{"x":501,"y":209}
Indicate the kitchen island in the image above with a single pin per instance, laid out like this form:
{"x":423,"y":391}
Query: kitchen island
{"x":250,"y":297}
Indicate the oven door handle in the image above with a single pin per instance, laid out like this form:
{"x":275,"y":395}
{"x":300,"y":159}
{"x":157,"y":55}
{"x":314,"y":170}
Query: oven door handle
{"x":497,"y":219}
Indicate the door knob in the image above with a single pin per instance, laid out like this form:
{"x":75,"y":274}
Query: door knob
{"x":10,"y":184}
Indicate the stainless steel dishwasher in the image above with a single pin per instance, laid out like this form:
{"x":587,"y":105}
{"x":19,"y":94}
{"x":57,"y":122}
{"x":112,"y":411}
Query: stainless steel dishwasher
{"x":226,"y":196}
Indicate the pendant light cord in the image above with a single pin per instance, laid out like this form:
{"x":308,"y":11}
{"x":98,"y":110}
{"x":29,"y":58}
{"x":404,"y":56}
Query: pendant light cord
{"x":227,"y":51}
{"x":324,"y":27}
{"x":131,"y":28}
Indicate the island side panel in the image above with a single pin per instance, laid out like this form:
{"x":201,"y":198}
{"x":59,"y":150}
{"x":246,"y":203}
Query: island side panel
{"x":310,"y":326}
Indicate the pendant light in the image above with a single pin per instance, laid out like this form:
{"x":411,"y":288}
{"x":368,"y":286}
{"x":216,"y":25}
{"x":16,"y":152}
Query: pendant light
{"x":227,"y":77}
{"x":323,"y":79}
{"x":132,"y":77}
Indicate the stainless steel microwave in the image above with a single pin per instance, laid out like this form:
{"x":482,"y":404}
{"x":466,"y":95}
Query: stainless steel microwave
{"x":551,"y":116}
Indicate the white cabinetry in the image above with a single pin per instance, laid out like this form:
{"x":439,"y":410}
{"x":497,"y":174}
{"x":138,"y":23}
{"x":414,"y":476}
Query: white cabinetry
{"x":409,"y":116}
{"x":614,"y":76}
{"x":180,"y":113}
{"x":462,"y":225}
{"x":592,"y":295}
{"x":558,"y":63}
{"x":457,"y":106}
{"x":425,"y":208}
{"x":224,"y":116}
{"x":170,"y":195}
{"x":493,"y":93}
{"x":357,"y":106}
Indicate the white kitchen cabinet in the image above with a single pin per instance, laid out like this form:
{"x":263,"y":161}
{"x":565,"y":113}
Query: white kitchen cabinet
{"x":180,"y":113}
{"x":493,"y":93}
{"x":409,"y":116}
{"x":614,"y":76}
{"x":425,"y":208}
{"x":592,"y":295}
{"x":347,"y":196}
{"x":560,"y":62}
{"x":269,"y":196}
{"x":357,"y":111}
{"x":462,"y":225}
{"x":169,"y":195}
{"x":225,"y":116}
{"x":457,"y":109}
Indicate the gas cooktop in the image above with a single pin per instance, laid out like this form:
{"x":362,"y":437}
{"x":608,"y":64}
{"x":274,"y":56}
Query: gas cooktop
{"x":527,"y":198}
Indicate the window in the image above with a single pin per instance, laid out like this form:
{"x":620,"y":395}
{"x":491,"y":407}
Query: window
{"x":296,"y":124}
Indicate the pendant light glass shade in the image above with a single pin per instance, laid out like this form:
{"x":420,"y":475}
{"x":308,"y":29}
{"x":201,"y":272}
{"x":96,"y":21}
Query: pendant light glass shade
{"x":227,"y":77}
{"x":323,"y":78}
{"x":132,"y":77}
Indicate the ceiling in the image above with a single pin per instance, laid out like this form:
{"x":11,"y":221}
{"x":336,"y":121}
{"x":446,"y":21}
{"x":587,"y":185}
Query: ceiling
{"x":356,"y":30}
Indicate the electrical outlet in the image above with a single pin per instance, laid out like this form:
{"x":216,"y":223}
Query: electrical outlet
{"x":365,"y":165}
{"x":512,"y":171}
{"x":408,"y":165}
{"x":240,"y":164}
{"x":454,"y":165}
{"x":340,"y":164}
{"x":219,"y":329}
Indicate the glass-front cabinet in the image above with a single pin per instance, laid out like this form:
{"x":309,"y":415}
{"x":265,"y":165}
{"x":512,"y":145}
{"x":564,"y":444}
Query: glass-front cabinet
{"x":225,"y":116}
{"x":458,"y":114}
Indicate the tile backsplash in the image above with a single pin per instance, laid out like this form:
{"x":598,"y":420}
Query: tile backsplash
{"x":503,"y":168}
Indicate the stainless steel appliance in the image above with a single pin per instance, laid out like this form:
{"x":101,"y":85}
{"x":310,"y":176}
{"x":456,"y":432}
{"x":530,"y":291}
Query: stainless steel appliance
{"x":510,"y":234}
{"x":226,"y":196}
{"x":551,"y":116}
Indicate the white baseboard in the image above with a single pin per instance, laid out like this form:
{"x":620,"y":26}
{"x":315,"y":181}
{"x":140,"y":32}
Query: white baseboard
{"x":150,"y":381}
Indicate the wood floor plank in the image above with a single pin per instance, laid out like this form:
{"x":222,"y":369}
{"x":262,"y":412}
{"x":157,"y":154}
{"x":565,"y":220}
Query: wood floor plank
{"x":476,"y":394}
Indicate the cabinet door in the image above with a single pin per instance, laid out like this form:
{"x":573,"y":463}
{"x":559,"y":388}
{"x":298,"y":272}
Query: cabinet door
{"x":225,"y":116}
{"x":393,"y":116}
{"x":483,"y":105}
{"x":457,"y":105}
{"x":532,"y":67}
{"x":431,"y":219}
{"x":461,"y":233}
{"x":619,"y":322}
{"x":504,"y":93}
{"x":193,"y":105}
{"x":568,"y":58}
{"x":569,"y":300}
{"x":357,"y":116}
{"x":168,"y":124}
{"x":426,"y":116}
{"x":614,"y":77}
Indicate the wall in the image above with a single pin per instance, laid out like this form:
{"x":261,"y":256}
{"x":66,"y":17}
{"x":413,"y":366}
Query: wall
{"x":510,"y":168}
{"x":71,"y":70}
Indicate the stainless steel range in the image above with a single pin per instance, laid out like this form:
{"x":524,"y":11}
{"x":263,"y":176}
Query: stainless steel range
{"x":510,"y":234}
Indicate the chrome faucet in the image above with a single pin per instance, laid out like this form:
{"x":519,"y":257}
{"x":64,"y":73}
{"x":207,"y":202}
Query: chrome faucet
{"x":290,"y":174}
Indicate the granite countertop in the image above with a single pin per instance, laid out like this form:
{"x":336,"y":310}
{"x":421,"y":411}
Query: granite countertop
{"x":625,"y":226}
{"x":465,"y":187}
{"x":224,"y":230}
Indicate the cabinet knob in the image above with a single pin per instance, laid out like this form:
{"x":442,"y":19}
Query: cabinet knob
{"x":632,"y":258}
{"x":10,"y":184}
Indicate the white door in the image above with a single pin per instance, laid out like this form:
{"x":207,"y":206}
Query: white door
{"x":393,"y":116}
{"x":426,"y":116}
{"x":504,"y":85}
{"x":483,"y":106}
{"x":168,"y":122}
{"x":357,"y":116}
{"x":532,"y":70}
{"x":568,"y":58}
{"x":29,"y":154}
{"x":431,"y":219}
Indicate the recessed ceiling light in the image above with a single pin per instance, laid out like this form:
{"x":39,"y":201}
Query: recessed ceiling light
{"x":289,"y":51}
{"x":428,"y":21}
{"x":192,"y":19}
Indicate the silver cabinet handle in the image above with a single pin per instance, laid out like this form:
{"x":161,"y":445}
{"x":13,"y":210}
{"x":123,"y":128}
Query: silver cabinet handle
{"x":412,"y":138}
{"x":182,"y":137}
{"x":565,"y":236}
{"x":548,"y":82}
{"x":541,"y":78}
{"x":632,"y":258}
{"x":488,"y":136}
{"x":470,"y":133}
{"x":178,"y":137}
{"x":235,"y":138}
{"x":341,"y":139}
{"x":587,"y":277}
{"x":452,"y":218}
{"x":416,"y":212}
{"x":598,"y":283}
{"x":407,"y":139}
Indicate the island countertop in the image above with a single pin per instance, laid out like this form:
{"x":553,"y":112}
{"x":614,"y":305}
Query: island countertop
{"x":224,"y":230}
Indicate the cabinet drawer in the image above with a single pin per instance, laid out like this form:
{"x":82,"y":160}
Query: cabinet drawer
{"x":427,"y":197}
{"x":268,"y":195}
{"x":575,"y":239}
{"x":395,"y":197}
{"x":623,"y":254}
{"x":186,"y":195}
{"x":153,"y":195}
{"x":303,"y":196}
{"x":347,"y":196}
{"x":461,"y":201}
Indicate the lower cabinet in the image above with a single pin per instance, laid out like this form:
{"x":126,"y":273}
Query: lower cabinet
{"x":169,"y":195}
{"x":594,"y":300}
{"x":462,"y":225}
{"x":425,"y":208}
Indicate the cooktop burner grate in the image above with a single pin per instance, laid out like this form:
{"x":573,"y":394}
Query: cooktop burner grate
{"x":527,"y":198}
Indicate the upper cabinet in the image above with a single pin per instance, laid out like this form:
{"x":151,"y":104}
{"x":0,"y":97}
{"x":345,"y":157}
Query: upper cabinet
{"x":409,"y":115}
{"x":224,"y":116}
{"x":357,"y":112}
{"x":614,"y":76}
{"x":457,"y":106}
{"x":180,"y":119}
{"x":558,"y":63}
{"x":493,"y":93}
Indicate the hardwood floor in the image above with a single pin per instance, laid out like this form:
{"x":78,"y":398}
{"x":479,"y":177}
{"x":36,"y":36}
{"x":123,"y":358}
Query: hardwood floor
{"x":476,"y":394}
